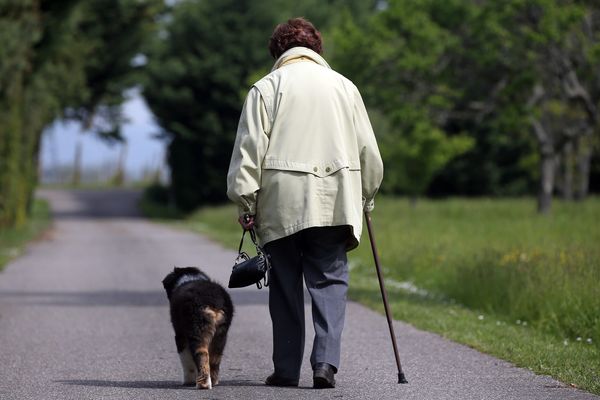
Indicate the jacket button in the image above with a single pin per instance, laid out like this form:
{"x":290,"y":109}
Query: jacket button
{"x":315,"y":169}
{"x":327,"y":169}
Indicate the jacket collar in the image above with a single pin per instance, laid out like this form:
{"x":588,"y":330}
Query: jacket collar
{"x":297,"y":53}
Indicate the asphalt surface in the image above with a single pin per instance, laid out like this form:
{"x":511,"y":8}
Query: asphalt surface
{"x":83,"y":316}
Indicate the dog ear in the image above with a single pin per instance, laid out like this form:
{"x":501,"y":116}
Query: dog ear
{"x":170,"y":280}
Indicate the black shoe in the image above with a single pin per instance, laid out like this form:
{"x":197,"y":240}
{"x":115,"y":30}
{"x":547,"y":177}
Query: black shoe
{"x":323,"y":376}
{"x":274,"y":380}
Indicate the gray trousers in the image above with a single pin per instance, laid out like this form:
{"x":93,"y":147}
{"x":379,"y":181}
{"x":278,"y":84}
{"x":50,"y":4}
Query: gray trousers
{"x":318,"y":254}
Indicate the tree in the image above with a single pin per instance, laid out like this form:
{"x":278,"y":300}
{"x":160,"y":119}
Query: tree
{"x":39,"y":73}
{"x":398,"y":59}
{"x":523,"y":68}
{"x":196,"y":73}
{"x":502,"y":159}
{"x":59,"y":55}
{"x":199,"y":72}
{"x":547,"y":65}
{"x":114,"y":32}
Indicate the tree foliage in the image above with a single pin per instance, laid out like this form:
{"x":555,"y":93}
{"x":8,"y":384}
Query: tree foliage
{"x":503,"y":85}
{"x":398,"y":59}
{"x":38,"y":74}
{"x":58,"y":56}
{"x":466,"y":97}
{"x":114,"y":32}
{"x":196,"y":73}
{"x":532,"y":76}
{"x":199,"y":72}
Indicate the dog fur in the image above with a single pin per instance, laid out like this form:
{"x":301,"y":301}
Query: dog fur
{"x":201,"y":313}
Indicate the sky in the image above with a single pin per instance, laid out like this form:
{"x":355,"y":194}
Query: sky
{"x":143,"y":150}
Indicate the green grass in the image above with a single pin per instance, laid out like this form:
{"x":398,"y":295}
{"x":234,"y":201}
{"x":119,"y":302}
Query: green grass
{"x":13,"y":241}
{"x":492,"y":274}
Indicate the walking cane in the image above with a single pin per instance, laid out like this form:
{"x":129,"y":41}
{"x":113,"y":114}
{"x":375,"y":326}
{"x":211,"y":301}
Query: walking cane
{"x":401,"y":377}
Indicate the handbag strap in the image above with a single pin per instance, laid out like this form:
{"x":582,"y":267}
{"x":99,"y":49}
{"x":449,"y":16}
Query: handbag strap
{"x":252,"y":237}
{"x":241,"y":242}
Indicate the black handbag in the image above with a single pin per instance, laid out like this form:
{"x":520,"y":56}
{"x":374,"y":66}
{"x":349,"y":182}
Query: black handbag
{"x":248,"y":271}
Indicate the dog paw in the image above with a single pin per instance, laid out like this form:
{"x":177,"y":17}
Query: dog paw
{"x":204,"y":383}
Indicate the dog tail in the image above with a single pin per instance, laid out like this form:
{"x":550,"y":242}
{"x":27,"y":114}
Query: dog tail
{"x":201,"y":345}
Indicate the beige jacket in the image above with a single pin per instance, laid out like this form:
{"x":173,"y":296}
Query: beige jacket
{"x":305,"y":154}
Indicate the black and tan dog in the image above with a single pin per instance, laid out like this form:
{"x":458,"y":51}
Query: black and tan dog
{"x":201,"y":312}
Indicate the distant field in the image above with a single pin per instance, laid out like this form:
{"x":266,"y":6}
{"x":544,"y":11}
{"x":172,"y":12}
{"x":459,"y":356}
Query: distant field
{"x":488,"y":273}
{"x":12,"y":241}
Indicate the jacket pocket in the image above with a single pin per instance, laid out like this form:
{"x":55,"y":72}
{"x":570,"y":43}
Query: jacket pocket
{"x":317,"y":168}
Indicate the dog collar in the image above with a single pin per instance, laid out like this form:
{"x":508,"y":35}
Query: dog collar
{"x":188,"y":278}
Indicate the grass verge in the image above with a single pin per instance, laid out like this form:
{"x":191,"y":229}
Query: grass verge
{"x":491,"y":274}
{"x":13,"y":241}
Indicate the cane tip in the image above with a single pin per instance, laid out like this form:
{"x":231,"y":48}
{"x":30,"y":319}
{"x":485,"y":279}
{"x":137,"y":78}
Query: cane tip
{"x":402,"y":378}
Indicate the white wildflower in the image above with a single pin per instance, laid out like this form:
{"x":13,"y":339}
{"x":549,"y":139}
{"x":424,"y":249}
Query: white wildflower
{"x":589,"y":340}
{"x":480,"y":317}
{"x":409,"y":287}
{"x":578,"y":338}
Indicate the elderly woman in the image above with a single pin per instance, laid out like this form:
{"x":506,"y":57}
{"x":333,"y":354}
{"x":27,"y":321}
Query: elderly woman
{"x":305,"y":165}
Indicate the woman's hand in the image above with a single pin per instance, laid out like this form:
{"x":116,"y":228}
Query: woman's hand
{"x":246,"y":221}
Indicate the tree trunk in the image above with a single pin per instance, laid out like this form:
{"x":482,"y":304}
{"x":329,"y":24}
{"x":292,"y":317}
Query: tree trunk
{"x":584,"y":161}
{"x":119,"y":177}
{"x":77,"y":164}
{"x":567,"y":172}
{"x":547,"y":172}
{"x":547,"y":165}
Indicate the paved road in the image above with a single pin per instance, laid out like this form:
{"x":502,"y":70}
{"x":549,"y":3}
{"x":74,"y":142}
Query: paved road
{"x":83,"y":316}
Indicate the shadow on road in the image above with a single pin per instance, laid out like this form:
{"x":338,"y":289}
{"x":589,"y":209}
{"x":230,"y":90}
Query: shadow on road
{"x":92,"y":298}
{"x":163,"y":384}
{"x":95,"y":204}
{"x":126,"y":384}
{"x":112,"y":298}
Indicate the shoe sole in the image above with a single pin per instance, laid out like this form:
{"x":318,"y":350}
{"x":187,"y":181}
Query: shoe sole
{"x":320,"y":382}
